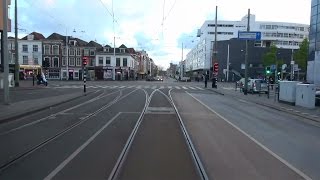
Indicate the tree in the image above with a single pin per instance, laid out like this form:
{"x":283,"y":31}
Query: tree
{"x":270,"y":57}
{"x":301,"y":56}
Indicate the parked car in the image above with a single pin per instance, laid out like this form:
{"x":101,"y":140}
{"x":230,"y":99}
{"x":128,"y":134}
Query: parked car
{"x":317,"y":98}
{"x":158,"y":78}
{"x":254,"y":85}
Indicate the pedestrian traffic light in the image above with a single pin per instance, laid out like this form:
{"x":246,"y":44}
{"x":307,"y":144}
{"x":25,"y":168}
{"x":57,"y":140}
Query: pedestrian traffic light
{"x":268,"y":71}
{"x":85,"y":61}
{"x":215,"y":67}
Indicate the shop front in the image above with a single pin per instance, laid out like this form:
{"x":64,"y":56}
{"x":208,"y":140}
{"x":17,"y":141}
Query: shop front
{"x":29,"y":70}
{"x":118,"y":74}
{"x":53,"y":73}
{"x":108,"y":73}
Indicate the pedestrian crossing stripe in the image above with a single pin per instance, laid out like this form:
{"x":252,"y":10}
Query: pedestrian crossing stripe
{"x":139,"y":87}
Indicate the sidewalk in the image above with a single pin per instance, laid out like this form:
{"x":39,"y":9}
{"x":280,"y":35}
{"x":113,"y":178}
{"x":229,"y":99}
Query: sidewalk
{"x":28,"y":85}
{"x":272,"y":102}
{"x":22,"y":108}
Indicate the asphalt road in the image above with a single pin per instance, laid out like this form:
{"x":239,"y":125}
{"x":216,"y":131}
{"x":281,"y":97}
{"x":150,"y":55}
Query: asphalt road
{"x":132,"y":131}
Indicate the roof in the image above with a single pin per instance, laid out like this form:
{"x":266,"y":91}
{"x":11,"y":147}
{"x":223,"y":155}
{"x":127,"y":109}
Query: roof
{"x":94,"y":44}
{"x":56,"y":36}
{"x":36,"y":36}
{"x":122,"y":46}
{"x":81,"y":42}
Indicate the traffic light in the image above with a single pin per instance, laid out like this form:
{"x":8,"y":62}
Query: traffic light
{"x":268,"y":71}
{"x":85,"y":61}
{"x":215,"y":67}
{"x":45,"y":63}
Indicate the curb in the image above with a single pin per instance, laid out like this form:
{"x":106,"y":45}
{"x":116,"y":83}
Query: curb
{"x":12,"y":118}
{"x":279,"y":109}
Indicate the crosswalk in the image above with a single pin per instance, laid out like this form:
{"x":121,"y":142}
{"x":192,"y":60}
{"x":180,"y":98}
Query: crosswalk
{"x":122,"y":87}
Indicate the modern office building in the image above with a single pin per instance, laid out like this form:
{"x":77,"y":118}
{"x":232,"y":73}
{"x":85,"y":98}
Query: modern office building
{"x":282,"y":34}
{"x":313,"y":72}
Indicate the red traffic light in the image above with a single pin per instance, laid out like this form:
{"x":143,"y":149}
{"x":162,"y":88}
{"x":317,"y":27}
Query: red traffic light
{"x":85,"y":60}
{"x":215,"y":67}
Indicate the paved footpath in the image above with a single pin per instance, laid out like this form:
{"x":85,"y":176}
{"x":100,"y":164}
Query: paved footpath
{"x":272,"y":102}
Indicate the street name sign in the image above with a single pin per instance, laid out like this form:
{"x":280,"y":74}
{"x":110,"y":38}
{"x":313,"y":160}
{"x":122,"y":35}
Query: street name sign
{"x":251,"y":35}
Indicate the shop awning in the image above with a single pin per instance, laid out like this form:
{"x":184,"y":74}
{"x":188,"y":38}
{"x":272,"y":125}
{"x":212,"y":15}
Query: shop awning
{"x":30,"y":66}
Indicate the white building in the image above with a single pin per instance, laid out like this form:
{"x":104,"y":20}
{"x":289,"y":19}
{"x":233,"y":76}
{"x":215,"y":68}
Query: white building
{"x":283,"y":35}
{"x":30,"y":53}
{"x":118,"y":67}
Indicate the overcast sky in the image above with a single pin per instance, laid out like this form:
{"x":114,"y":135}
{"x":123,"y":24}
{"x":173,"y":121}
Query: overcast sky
{"x":157,"y":26}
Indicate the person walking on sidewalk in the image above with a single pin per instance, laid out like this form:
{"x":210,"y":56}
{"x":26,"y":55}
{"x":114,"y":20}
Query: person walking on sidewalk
{"x":206,"y":80}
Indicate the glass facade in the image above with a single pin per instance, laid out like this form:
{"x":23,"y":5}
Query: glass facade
{"x":314,"y":34}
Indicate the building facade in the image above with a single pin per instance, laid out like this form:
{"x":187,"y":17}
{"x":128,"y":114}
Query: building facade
{"x":118,"y":66}
{"x":30,"y":54}
{"x":313,"y":68}
{"x":52,"y":53}
{"x":281,"y":34}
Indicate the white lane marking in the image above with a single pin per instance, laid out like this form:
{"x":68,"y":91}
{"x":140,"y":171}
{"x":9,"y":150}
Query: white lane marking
{"x":161,"y":87}
{"x":177,"y":87}
{"x":199,"y":88}
{"x":146,"y":87}
{"x":183,"y":87}
{"x":114,"y":87}
{"x":192,"y":88}
{"x":154,"y":87}
{"x":170,"y":87}
{"x":254,"y":140}
{"x":130,"y":86}
{"x":76,"y":152}
{"x":122,"y":87}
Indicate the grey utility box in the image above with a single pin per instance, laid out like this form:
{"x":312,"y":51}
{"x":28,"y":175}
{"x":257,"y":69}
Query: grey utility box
{"x":305,"y":95}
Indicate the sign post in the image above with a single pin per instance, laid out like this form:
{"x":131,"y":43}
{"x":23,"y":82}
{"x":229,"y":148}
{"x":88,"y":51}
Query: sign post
{"x":84,"y":62}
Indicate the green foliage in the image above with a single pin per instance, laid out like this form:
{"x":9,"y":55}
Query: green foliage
{"x":301,"y":56}
{"x":270,"y":57}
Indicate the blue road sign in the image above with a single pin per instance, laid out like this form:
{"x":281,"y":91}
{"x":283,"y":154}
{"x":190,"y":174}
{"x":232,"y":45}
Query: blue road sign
{"x":273,"y":67}
{"x":251,"y":35}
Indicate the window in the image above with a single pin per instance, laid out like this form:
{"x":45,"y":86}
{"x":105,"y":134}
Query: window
{"x":117,"y":61}
{"x":35,"y":48}
{"x":76,"y":74}
{"x":78,"y":52}
{"x":55,"y":50}
{"x":125,"y":62}
{"x":25,"y":60}
{"x":64,"y":61}
{"x":55,"y":62}
{"x":36,"y":61}
{"x":71,"y":61}
{"x":100,"y":61}
{"x":86,"y":52}
{"x":24,"y":48}
{"x":108,"y":60}
{"x":92,"y":62}
{"x":46,"y":49}
{"x":71,"y":52}
{"x":78,"y":61}
{"x":46,"y":59}
{"x":64,"y":50}
{"x":122,"y":50}
{"x":92,"y":53}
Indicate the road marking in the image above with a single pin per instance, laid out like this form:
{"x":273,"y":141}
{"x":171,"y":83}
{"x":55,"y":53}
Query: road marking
{"x":139,"y":86}
{"x":154,"y":87}
{"x":244,"y":101}
{"x":254,"y":140}
{"x":199,"y":88}
{"x":114,"y":87}
{"x":122,"y":87}
{"x":161,"y":87}
{"x":76,"y":152}
{"x":170,"y":87}
{"x":183,"y":87}
{"x":177,"y":87}
{"x":130,"y":86}
{"x":192,"y":88}
{"x":146,"y":87}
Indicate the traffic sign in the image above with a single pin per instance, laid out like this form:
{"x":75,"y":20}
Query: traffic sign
{"x":273,"y":67}
{"x":251,"y":35}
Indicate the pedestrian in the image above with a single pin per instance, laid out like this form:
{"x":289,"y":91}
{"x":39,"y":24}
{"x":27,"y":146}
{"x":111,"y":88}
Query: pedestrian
{"x":205,"y":80}
{"x":271,"y":81}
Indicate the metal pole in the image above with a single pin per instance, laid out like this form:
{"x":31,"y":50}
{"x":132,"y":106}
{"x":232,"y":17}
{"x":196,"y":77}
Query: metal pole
{"x":67,"y":51}
{"x":246,"y":59}
{"x":228,"y":58}
{"x":114,"y":38}
{"x":292,"y":66}
{"x":84,"y":80}
{"x":16,"y":64}
{"x":215,"y":50}
{"x":5,"y":52}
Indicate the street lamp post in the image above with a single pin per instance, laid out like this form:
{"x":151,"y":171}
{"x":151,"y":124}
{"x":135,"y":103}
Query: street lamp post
{"x":16,"y":64}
